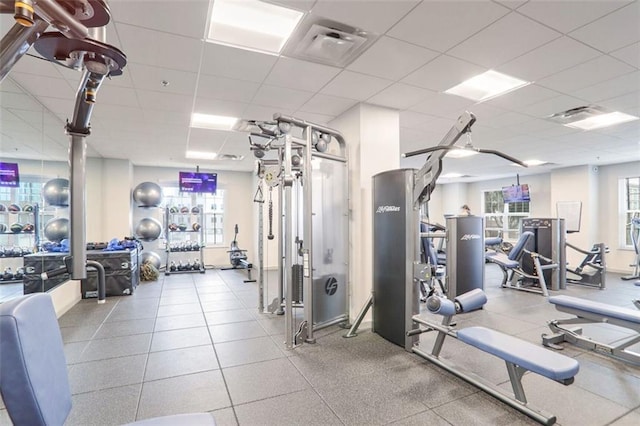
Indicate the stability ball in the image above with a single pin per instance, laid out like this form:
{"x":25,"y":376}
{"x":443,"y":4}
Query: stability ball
{"x":57,"y":229}
{"x":56,"y":192}
{"x":151,"y":257}
{"x":147,"y":194}
{"x":148,"y":229}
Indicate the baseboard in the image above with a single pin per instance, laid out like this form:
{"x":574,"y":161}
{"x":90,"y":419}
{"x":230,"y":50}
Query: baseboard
{"x":65,"y":296}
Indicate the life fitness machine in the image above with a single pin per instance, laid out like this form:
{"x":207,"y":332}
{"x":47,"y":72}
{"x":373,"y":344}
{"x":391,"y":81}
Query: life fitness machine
{"x":397,"y":268}
{"x":80,"y":44}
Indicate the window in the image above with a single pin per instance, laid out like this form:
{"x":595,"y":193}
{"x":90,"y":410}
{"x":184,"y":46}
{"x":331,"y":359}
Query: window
{"x":502,"y":218}
{"x":631,"y":205}
{"x":213,"y":208}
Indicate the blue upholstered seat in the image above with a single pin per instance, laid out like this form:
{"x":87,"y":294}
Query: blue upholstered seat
{"x":33,"y":370}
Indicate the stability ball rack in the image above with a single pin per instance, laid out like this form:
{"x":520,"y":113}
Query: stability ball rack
{"x":307,"y":164}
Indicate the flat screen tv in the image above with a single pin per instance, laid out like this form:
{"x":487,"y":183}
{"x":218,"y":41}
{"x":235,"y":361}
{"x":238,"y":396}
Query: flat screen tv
{"x":9,"y":175}
{"x":516,"y":193}
{"x":198,"y":182}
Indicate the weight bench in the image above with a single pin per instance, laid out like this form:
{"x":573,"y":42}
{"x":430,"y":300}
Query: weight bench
{"x":520,"y":356}
{"x":590,"y":312}
{"x":513,"y":275}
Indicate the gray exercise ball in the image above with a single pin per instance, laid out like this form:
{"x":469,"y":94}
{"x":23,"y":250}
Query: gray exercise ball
{"x":56,"y":192}
{"x":56,"y":229}
{"x":151,"y":257}
{"x":148,"y":229}
{"x":147,"y":194}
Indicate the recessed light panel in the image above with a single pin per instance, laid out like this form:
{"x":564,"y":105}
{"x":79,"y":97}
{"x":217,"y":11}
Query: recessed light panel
{"x":201,"y":155}
{"x":460,"y":153}
{"x":252,"y":24}
{"x":602,"y":120}
{"x":486,"y":86}
{"x":214,"y":122}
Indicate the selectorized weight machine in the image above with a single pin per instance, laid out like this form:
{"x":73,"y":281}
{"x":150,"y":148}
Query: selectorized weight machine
{"x":634,"y":234}
{"x":306,"y":164}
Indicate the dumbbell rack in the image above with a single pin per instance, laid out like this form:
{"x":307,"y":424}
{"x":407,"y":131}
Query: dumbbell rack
{"x":9,"y":238}
{"x":184,"y":241}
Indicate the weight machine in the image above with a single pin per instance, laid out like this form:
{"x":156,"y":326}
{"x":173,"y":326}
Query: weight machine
{"x":634,"y":233}
{"x":398,"y":197}
{"x":306,"y":164}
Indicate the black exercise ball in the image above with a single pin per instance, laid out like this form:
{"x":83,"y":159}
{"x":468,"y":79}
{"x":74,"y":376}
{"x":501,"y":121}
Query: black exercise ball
{"x":56,"y":192}
{"x":147,"y":194}
{"x":56,"y":229}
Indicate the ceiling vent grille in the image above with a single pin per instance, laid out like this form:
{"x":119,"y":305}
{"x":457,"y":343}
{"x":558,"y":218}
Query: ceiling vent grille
{"x":230,"y":157}
{"x":327,"y":42}
{"x":577,"y":114}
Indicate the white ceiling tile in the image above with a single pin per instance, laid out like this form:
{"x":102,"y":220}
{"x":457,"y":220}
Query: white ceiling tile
{"x":327,"y":105}
{"x":257,"y":112}
{"x":36,"y":65}
{"x":400,"y":96}
{"x":8,"y":85}
{"x":611,"y":88}
{"x":566,"y":16}
{"x":300,"y":75}
{"x":506,"y":120}
{"x":625,"y":103}
{"x":19,"y":101}
{"x":114,"y":95}
{"x":150,"y":78}
{"x":226,"y":88}
{"x":443,"y":73}
{"x":219,"y":107}
{"x":157,"y":100}
{"x":503,"y":41}
{"x":281,"y":97}
{"x":613,"y":31}
{"x":553,"y":57}
{"x":163,"y":18}
{"x":522,"y":97}
{"x":236,"y":63}
{"x":441,"y":103}
{"x":46,"y":86}
{"x":587,"y":74}
{"x":159,"y":49}
{"x":512,"y":4}
{"x":440,"y":25}
{"x":629,"y":54}
{"x":314,"y":118}
{"x":353,"y":85}
{"x":551,"y":106}
{"x":392,"y":59}
{"x":374,"y":16}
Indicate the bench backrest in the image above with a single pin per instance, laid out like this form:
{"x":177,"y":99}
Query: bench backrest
{"x":518,"y":249}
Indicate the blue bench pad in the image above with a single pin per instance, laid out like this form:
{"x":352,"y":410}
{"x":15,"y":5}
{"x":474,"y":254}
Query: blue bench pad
{"x":527,"y":355}
{"x":501,"y":259}
{"x":598,"y":308}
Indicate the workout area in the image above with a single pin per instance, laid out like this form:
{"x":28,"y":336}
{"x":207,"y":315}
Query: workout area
{"x":319,"y":212}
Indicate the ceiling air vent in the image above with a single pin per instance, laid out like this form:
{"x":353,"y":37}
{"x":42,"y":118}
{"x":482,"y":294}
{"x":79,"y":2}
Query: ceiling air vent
{"x":577,"y":114}
{"x":230,"y":157}
{"x":327,"y":42}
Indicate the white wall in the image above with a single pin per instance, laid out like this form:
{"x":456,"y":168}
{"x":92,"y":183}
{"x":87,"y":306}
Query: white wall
{"x":239,"y":190}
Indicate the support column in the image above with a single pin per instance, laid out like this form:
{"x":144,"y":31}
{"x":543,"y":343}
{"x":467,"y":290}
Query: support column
{"x":373,"y":138}
{"x":116,"y":186}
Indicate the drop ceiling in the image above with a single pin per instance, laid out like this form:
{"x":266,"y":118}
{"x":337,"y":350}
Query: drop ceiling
{"x":575,"y":53}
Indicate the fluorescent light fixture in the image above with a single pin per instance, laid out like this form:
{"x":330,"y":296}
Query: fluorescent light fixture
{"x":602,"y":120}
{"x":215,"y":122}
{"x":533,"y":163}
{"x":486,"y":86}
{"x":451,"y":175}
{"x":200,"y":155}
{"x":252,"y":24}
{"x":460,"y":153}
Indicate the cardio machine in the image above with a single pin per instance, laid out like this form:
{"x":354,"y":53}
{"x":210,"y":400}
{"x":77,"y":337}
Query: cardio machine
{"x":238,"y":257}
{"x":634,"y":233}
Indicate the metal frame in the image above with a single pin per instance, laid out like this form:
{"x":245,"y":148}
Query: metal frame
{"x":574,"y":335}
{"x":286,"y":144}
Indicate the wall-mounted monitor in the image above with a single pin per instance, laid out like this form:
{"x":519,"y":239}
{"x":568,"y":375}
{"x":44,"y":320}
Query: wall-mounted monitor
{"x":516,"y":193}
{"x":196,"y":182}
{"x":9,"y":175}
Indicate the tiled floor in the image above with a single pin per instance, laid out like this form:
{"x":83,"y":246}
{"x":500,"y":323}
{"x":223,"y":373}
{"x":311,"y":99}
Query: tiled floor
{"x":196,"y":342}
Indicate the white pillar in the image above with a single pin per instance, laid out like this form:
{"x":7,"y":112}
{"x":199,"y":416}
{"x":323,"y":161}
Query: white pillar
{"x":372,"y":134}
{"x":115,"y":189}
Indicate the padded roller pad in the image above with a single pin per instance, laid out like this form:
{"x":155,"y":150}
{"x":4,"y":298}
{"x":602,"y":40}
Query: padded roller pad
{"x":501,"y":259}
{"x":527,"y":355}
{"x":440,"y":305}
{"x":597,"y":308}
{"x":492,"y":241}
{"x":471,"y":300}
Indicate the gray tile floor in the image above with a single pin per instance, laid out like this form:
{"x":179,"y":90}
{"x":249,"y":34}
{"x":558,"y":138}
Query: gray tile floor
{"x":196,"y":342}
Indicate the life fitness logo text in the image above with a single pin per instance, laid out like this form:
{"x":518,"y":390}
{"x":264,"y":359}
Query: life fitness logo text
{"x":387,"y":209}
{"x":331,"y":286}
{"x":467,"y":237}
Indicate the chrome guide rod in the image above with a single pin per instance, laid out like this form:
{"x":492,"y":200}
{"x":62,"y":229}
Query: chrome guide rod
{"x":307,"y":258}
{"x":288,"y":264}
{"x":16,"y":42}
